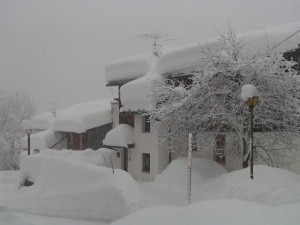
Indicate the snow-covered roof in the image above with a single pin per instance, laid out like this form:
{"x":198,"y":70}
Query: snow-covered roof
{"x":139,"y":95}
{"x":42,"y":140}
{"x":128,"y":68}
{"x":77,"y":118}
{"x":120,"y":136}
{"x":39,"y":122}
{"x":82,"y":117}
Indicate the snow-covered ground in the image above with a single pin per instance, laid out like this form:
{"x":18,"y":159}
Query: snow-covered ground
{"x":78,"y":187}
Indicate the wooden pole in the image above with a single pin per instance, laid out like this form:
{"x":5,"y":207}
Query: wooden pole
{"x":189,"y":189}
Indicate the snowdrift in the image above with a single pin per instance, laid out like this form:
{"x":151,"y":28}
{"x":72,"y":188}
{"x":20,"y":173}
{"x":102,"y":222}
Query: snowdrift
{"x":7,"y":218}
{"x":270,"y":186}
{"x":174,"y":177}
{"x":64,"y":187}
{"x":215,"y":212}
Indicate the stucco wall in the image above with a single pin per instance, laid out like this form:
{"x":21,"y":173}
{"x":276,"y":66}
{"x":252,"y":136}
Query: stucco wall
{"x":146,"y":142}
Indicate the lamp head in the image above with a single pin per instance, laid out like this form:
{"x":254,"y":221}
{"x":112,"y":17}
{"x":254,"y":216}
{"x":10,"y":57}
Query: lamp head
{"x":28,"y":131}
{"x":251,"y":102}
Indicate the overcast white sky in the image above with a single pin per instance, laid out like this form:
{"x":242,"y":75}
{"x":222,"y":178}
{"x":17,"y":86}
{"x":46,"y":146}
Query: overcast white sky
{"x":57,"y":49}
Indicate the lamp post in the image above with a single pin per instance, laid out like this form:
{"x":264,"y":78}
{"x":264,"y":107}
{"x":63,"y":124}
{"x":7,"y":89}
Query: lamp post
{"x":28,"y":132}
{"x":250,"y":96}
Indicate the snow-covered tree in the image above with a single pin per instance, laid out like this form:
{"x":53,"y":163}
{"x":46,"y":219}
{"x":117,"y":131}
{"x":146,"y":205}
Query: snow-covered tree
{"x":13,"y":109}
{"x":212,"y":104}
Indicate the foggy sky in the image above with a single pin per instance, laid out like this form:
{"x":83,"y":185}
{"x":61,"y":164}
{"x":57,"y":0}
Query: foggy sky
{"x":57,"y":49}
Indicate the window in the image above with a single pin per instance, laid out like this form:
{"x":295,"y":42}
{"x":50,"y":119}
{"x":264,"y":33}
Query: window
{"x":146,"y":162}
{"x":220,"y":148}
{"x":146,"y":123}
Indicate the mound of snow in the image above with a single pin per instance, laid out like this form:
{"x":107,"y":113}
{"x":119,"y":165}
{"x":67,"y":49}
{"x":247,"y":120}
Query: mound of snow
{"x":8,"y":218}
{"x":74,"y":189}
{"x":174,"y":176}
{"x":215,"y":212}
{"x":30,"y":165}
{"x":270,"y":186}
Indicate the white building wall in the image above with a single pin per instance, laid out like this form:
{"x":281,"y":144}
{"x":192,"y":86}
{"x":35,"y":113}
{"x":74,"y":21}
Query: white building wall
{"x":115,"y":113}
{"x":146,"y":142}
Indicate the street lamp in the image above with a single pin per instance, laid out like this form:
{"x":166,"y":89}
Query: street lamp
{"x":28,"y":132}
{"x":250,"y":96}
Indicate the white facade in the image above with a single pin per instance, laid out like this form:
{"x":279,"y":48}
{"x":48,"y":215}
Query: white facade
{"x":145,"y":142}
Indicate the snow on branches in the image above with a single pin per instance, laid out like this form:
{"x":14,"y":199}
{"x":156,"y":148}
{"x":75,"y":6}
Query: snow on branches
{"x":13,"y":109}
{"x":212,"y":104}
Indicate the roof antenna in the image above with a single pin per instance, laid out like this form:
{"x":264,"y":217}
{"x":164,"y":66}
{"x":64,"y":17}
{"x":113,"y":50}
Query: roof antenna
{"x":154,"y":37}
{"x":54,"y":109}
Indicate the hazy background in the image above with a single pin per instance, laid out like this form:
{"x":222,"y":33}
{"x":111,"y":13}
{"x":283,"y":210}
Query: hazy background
{"x":57,"y":49}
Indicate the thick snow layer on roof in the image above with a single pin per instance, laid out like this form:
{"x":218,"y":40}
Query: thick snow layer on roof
{"x":39,"y":122}
{"x":120,"y":136}
{"x":258,"y":42}
{"x":129,"y":68}
{"x":140,"y":95}
{"x":84,"y":116}
{"x":67,"y":186}
{"x":187,"y":56}
{"x":42,"y":139}
{"x":77,"y":118}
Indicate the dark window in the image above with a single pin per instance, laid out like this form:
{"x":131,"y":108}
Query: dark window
{"x":146,"y":123}
{"x":146,"y":162}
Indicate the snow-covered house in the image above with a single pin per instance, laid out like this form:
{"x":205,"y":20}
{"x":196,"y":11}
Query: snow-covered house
{"x":144,"y":156}
{"x":77,"y":127}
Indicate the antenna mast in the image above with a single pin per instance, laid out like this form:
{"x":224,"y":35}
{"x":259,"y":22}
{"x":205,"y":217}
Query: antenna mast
{"x":53,"y":111}
{"x":154,"y":37}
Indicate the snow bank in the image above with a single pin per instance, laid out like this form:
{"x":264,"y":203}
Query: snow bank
{"x":216,"y":212}
{"x":202,"y":169}
{"x":270,"y":186}
{"x":8,"y":218}
{"x":121,"y":136}
{"x":30,"y":165}
{"x":71,"y":188}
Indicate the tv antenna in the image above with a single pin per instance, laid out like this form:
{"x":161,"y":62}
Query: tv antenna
{"x":154,"y":37}
{"x":54,"y":107}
